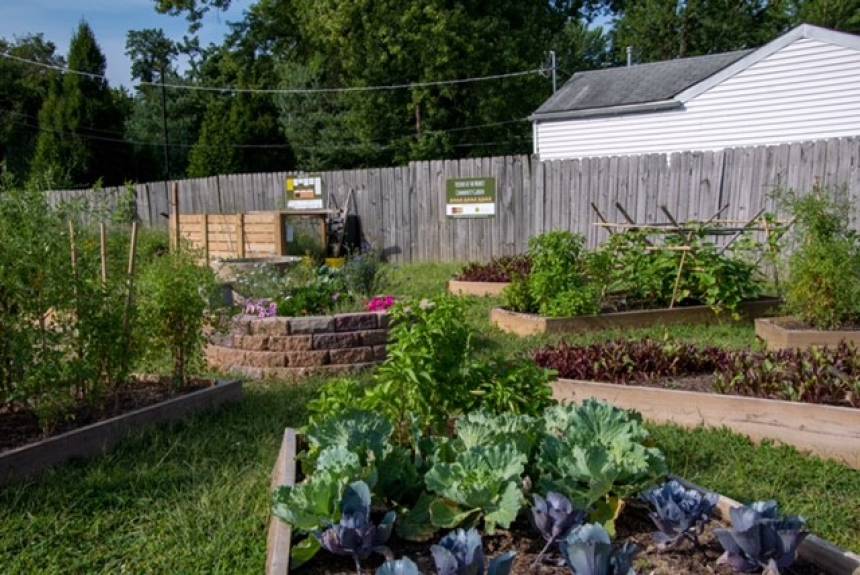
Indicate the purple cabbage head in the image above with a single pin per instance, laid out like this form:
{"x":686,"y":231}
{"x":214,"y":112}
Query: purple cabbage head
{"x":679,"y":512}
{"x":588,"y":550}
{"x":555,"y":516}
{"x":355,"y":535}
{"x":760,"y":539}
{"x":461,"y":552}
{"x":403,"y":566}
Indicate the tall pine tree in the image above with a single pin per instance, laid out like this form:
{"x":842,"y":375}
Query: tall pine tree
{"x":78,"y":122}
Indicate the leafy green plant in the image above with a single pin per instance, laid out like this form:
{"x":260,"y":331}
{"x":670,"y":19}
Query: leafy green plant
{"x":174,"y":295}
{"x":478,"y":483}
{"x":556,"y":266}
{"x":581,"y":300}
{"x":511,"y":386}
{"x":824,"y":269}
{"x":596,"y":455}
{"x":517,"y":296}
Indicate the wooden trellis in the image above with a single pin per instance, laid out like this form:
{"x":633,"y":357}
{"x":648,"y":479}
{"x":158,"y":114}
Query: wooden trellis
{"x":713,"y":226}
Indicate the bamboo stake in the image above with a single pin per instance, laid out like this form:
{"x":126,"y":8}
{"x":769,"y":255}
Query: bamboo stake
{"x":126,"y":316}
{"x":174,"y":201}
{"x":602,"y":219}
{"x":76,"y":295}
{"x":677,"y":280}
{"x":103,"y":251}
{"x":747,"y":227}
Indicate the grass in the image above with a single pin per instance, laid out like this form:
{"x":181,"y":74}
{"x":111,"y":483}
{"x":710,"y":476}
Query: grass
{"x":194,"y":497}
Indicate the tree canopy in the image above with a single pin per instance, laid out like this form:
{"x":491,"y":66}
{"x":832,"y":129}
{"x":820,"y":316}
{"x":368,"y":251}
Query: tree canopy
{"x":72,"y":129}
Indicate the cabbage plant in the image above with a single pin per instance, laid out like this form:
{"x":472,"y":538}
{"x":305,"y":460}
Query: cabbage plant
{"x":462,"y":553}
{"x":760,"y":539}
{"x":554,"y":517}
{"x":588,"y":550}
{"x":679,"y":513}
{"x":404,"y":566}
{"x":354,"y":535}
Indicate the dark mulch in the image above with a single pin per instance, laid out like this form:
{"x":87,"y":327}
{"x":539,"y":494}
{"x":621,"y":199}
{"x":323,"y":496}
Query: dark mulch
{"x":19,"y":426}
{"x":634,"y":526}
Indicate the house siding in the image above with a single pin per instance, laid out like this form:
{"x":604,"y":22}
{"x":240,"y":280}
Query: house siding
{"x":807,"y":90}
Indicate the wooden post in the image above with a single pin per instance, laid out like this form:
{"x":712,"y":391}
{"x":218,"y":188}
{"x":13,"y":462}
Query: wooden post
{"x":103,"y":251}
{"x":240,"y":235}
{"x":126,"y":316}
{"x":174,"y":203}
{"x":206,"y":237}
{"x":74,"y":252}
{"x":678,"y":279}
{"x":280,"y":244}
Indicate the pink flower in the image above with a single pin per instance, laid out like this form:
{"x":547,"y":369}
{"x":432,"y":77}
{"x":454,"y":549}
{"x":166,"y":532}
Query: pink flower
{"x":381,"y":303}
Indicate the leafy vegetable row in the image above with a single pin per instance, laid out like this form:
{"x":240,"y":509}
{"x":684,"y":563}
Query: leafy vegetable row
{"x":818,"y":375}
{"x":502,"y":269}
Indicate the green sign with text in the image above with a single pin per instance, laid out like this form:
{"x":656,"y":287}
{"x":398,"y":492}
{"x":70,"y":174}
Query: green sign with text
{"x":470,"y":198}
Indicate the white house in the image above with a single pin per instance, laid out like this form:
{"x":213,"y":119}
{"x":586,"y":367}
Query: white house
{"x":804,"y":85}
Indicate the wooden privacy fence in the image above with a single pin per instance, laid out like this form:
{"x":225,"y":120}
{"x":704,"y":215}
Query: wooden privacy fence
{"x":402,"y":209}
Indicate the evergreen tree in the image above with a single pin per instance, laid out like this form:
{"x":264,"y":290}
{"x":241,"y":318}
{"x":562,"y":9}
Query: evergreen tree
{"x":79,"y":121}
{"x":213,"y":153}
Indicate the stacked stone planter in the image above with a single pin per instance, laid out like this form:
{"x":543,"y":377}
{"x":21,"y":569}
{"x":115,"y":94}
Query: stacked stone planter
{"x":296,"y":347}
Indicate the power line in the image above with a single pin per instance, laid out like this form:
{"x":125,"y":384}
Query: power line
{"x":235,"y":90}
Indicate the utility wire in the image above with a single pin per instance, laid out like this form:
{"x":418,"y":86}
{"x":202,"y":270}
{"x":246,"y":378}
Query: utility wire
{"x":235,"y":90}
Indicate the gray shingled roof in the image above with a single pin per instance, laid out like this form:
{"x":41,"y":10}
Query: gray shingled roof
{"x":637,"y":84}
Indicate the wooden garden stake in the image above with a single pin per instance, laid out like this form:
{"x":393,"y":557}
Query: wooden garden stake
{"x":678,"y":279}
{"x":174,"y":201}
{"x":75,"y":294}
{"x":126,"y":319}
{"x":103,"y":251}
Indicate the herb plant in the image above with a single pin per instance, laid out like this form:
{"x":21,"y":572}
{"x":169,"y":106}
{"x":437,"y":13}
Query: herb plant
{"x":760,"y":539}
{"x":364,"y":274}
{"x":679,"y":513}
{"x":588,"y":550}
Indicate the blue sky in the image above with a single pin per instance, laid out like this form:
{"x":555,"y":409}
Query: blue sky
{"x":110,"y":19}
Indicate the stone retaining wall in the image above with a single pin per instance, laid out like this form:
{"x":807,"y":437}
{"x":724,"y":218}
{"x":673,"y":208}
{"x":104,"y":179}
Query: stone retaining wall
{"x":292,"y":347}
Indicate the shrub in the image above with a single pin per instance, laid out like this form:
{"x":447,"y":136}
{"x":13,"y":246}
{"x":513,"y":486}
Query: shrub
{"x":364,"y":274}
{"x":501,"y":269}
{"x":174,"y":294}
{"x":824,"y":269}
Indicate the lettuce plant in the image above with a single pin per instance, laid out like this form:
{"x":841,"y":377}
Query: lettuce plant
{"x":480,"y":482}
{"x":760,"y":539}
{"x":354,"y":535}
{"x":462,"y":553}
{"x":588,"y":551}
{"x":404,"y":566}
{"x":554,"y":517}
{"x":679,"y":513}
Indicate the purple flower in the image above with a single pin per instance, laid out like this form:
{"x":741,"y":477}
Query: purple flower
{"x":261,"y":308}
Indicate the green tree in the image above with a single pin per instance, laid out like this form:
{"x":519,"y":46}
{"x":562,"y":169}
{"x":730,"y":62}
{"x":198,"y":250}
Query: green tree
{"x":214,"y":152}
{"x":23,"y":89}
{"x":80,"y":121}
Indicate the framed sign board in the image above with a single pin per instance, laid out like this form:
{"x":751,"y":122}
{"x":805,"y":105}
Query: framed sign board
{"x":470,"y":198}
{"x":304,"y":192}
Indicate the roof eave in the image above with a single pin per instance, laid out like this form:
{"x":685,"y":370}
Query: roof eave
{"x":657,"y":106}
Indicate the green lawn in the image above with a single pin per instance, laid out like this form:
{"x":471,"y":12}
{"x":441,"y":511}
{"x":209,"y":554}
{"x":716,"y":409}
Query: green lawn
{"x":194,"y":497}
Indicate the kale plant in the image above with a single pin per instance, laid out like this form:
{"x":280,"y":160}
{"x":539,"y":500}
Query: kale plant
{"x":461,"y":552}
{"x":554,"y":517}
{"x":588,"y":551}
{"x":354,"y":535}
{"x":760,"y":539}
{"x":679,"y":513}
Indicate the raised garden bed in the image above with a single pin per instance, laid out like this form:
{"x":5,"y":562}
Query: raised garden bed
{"x":480,"y":289}
{"x":525,"y":324}
{"x":825,"y":430}
{"x":786,"y":332}
{"x":296,"y":347}
{"x":97,"y":438}
{"x":815,"y":555}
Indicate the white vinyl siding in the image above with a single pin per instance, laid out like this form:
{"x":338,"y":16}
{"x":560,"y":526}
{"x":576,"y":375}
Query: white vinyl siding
{"x":807,"y":90}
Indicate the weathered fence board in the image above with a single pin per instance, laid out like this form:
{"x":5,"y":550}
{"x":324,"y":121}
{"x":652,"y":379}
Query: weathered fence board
{"x":402,"y":209}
